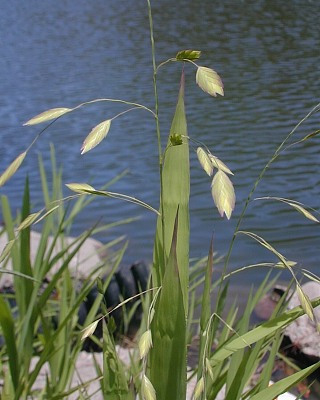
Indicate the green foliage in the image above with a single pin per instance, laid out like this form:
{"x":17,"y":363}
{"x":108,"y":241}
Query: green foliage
{"x":57,"y":343}
{"x":230,"y":351}
{"x":169,"y":331}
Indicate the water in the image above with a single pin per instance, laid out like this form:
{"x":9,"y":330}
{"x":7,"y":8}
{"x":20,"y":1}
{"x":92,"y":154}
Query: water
{"x":59,"y":54}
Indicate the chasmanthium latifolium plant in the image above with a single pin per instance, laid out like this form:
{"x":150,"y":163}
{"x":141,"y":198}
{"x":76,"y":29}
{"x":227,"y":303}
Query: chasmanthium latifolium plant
{"x":222,"y":193}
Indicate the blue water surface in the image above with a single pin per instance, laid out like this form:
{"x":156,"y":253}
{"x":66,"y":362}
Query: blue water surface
{"x":59,"y":54}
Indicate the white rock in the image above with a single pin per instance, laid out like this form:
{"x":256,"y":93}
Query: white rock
{"x":303,"y":332}
{"x":89,"y":257}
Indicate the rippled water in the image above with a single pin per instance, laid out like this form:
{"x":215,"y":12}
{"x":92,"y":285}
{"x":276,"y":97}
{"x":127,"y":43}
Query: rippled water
{"x":58,"y":54}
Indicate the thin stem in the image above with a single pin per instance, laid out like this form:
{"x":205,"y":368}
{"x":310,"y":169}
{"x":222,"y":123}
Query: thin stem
{"x":272,"y":159}
{"x":135,"y":106}
{"x":39,"y":134}
{"x":166,"y":62}
{"x":124,"y":112}
{"x":155,"y":83}
{"x":175,"y":60}
{"x":157,"y":122}
{"x":130,"y":103}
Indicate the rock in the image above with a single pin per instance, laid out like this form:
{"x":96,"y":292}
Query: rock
{"x":127,"y":282}
{"x":267,"y":304}
{"x":303,"y":332}
{"x":85,"y":371}
{"x":89,"y":256}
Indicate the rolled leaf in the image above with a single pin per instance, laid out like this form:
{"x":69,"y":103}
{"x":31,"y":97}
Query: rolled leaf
{"x":11,"y":170}
{"x":188,"y":55}
{"x":209,"y":81}
{"x":175,"y":194}
{"x":48,"y":115}
{"x":97,"y":134}
{"x":223,"y":194}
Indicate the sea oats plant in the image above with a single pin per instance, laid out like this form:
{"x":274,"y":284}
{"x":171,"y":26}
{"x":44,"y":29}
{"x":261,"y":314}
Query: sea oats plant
{"x":230,"y":351}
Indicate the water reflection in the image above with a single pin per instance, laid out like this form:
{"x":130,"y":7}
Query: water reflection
{"x":267,"y":53}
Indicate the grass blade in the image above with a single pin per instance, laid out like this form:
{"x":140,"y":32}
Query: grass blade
{"x":175,"y":193}
{"x":282,"y":386}
{"x":169,"y":334}
{"x":262,"y":331}
{"x":7,"y":325}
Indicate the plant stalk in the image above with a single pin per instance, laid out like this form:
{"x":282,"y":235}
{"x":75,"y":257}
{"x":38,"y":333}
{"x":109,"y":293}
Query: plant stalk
{"x":154,"y":65}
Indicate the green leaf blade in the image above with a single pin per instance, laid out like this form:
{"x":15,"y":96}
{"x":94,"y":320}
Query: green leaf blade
{"x":282,"y":386}
{"x":175,"y":194}
{"x":168,"y":355}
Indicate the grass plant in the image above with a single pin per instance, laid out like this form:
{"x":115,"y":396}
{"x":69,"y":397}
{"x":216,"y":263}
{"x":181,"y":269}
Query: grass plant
{"x":46,"y":320}
{"x":230,"y":350}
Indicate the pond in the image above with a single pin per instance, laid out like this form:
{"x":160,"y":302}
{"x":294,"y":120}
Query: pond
{"x":59,"y":54}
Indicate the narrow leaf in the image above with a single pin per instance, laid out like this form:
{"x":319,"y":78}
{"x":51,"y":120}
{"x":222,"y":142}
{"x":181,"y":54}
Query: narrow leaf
{"x":168,"y":354}
{"x":205,"y":161}
{"x":188,"y":55}
{"x":262,"y":331}
{"x":223,"y":194}
{"x":97,"y":134}
{"x":48,"y":115}
{"x":217,"y":163}
{"x":282,"y":386}
{"x":11,"y":170}
{"x":7,"y":325}
{"x":209,"y":81}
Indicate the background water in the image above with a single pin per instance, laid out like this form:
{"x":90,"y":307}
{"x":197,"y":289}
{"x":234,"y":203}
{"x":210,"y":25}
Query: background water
{"x":58,"y":54}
